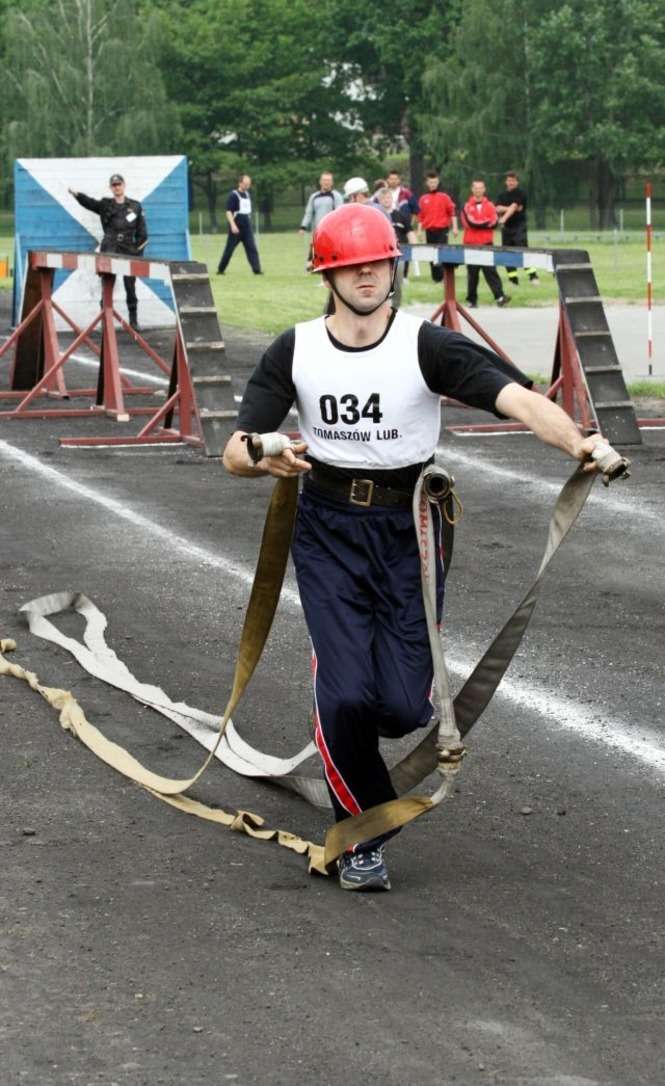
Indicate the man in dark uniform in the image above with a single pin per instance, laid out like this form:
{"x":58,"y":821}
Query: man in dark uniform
{"x":511,"y":208}
{"x":125,"y":230}
{"x":367,"y":382}
{"x":239,"y":218}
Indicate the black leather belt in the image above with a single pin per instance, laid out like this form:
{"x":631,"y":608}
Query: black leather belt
{"x":363,"y":492}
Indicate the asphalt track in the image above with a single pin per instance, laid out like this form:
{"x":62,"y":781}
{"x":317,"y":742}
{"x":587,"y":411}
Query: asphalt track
{"x":142,"y":947}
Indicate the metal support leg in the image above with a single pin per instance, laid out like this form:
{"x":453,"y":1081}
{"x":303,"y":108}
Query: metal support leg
{"x":109,"y":388}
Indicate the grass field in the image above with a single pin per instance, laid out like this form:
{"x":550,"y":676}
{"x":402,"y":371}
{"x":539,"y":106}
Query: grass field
{"x":285,"y":294}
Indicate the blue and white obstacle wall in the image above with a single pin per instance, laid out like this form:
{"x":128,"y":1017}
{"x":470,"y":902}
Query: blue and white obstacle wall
{"x":47,"y":217}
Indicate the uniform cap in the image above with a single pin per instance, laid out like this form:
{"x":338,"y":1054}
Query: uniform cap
{"x":355,"y":185}
{"x":115,"y":177}
{"x":353,"y":234}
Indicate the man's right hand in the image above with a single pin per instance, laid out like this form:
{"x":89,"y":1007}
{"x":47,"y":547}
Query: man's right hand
{"x":237,"y":461}
{"x":234,"y":228}
{"x":287,"y":463}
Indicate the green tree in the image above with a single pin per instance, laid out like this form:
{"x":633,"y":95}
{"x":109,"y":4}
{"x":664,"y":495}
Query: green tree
{"x":81,"y":80}
{"x":258,"y":89}
{"x":564,"y":93}
{"x":479,"y":96}
{"x":599,"y":92}
{"x":383,"y":58}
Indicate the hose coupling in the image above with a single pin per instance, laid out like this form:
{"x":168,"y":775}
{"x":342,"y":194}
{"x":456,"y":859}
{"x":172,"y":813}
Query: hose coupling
{"x":611,"y":463}
{"x":260,"y":445}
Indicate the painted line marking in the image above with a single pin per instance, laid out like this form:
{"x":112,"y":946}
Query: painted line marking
{"x":179,"y":543}
{"x":148,"y":378}
{"x":643,"y":744}
{"x":645,"y":747}
{"x":599,"y":501}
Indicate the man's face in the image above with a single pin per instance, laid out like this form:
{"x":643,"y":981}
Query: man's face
{"x":511,"y":183}
{"x":385,"y":199}
{"x":432,"y":183}
{"x":326,"y":182}
{"x":478,"y":189}
{"x":394,"y":180}
{"x":359,"y":198}
{"x":118,"y":189}
{"x":364,"y":285}
{"x":245,"y":183}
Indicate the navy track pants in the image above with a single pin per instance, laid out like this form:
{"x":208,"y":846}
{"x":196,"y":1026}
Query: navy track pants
{"x":358,"y":573}
{"x":244,"y":237}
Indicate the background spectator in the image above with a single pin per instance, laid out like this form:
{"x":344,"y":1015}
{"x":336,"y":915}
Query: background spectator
{"x":436,"y":214}
{"x":401,"y":222}
{"x":356,"y":190}
{"x":239,"y":218}
{"x":479,"y":218}
{"x":511,"y":207}
{"x":125,"y":230}
{"x":320,"y":203}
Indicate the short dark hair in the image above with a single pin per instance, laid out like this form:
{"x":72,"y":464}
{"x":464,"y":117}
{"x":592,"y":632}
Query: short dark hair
{"x":396,"y":172}
{"x":432,"y":173}
{"x":511,"y":173}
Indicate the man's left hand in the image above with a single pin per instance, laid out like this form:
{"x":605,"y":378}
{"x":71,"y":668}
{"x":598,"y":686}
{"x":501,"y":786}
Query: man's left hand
{"x":585,"y":449}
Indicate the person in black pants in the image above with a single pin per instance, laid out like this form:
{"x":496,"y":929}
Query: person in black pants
{"x":125,"y":230}
{"x":239,"y":217}
{"x":511,"y":207}
{"x":368,"y":381}
{"x":479,"y":218}
{"x":436,"y":214}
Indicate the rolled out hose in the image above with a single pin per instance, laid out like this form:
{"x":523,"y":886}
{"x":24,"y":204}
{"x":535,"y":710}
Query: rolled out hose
{"x":611,"y":463}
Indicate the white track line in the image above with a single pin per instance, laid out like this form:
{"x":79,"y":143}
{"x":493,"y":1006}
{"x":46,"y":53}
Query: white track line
{"x":146,"y":377}
{"x":179,"y":543}
{"x":600,"y":500}
{"x":645,"y":746}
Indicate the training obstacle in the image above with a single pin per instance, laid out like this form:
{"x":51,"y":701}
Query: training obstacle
{"x":586,"y":372}
{"x":48,"y":218}
{"x":199,"y":393}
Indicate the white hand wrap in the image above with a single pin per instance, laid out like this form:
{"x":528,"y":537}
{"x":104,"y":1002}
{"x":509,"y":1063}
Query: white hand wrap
{"x":260,"y":445}
{"x":610,"y":462}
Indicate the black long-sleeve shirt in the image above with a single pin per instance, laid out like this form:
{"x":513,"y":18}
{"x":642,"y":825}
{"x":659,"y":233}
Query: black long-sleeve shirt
{"x":123,"y":223}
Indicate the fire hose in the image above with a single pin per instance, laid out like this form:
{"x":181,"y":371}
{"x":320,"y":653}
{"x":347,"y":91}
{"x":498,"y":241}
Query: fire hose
{"x":441,"y":749}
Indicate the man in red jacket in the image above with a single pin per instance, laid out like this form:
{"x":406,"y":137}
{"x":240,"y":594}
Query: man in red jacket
{"x":479,"y":217}
{"x":436,"y":214}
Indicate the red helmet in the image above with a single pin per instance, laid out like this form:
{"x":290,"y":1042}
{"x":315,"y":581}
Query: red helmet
{"x":353,"y":234}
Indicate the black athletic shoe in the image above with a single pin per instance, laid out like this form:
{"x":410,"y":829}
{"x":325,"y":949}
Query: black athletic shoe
{"x":502,"y":300}
{"x":363,"y":870}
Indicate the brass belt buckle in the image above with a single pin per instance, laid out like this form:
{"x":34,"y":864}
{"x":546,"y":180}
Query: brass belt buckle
{"x":361,"y":492}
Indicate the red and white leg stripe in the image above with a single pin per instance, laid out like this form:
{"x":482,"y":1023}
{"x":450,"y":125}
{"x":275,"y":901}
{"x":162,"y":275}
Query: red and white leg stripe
{"x":342,"y":792}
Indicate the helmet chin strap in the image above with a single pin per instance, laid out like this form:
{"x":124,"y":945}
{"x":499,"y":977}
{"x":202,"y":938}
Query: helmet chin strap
{"x":364,"y":312}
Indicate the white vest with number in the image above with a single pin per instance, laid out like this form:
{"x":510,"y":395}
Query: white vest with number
{"x":368,"y":408}
{"x":245,"y":203}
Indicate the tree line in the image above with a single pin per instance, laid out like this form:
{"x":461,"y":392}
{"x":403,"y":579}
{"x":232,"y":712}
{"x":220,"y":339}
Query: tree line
{"x":571,"y":95}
